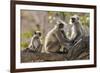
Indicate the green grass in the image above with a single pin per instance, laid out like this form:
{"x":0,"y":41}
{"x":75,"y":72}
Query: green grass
{"x":24,"y":44}
{"x":27,"y":35}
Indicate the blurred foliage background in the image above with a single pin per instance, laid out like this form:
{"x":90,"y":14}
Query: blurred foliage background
{"x":44,"y":21}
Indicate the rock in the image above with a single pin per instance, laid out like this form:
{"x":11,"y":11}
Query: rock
{"x":78,"y":52}
{"x":40,"y":57}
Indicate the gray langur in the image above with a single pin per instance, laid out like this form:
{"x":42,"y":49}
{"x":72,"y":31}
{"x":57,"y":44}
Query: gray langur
{"x":35,"y":44}
{"x":77,"y":34}
{"x":56,"y":39}
{"x":77,"y":30}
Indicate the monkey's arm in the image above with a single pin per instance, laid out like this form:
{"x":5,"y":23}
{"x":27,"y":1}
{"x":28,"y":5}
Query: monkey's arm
{"x":62,"y":37}
{"x":79,"y":32}
{"x":65,"y":38}
{"x":30,"y":45}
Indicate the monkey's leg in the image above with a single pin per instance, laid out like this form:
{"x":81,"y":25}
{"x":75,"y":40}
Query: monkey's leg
{"x":76,"y":50}
{"x":40,"y":48}
{"x":54,"y":47}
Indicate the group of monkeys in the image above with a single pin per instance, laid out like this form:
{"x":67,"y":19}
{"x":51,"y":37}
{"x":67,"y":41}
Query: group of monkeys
{"x":56,"y":39}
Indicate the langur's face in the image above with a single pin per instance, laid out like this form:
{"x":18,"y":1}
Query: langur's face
{"x":74,"y":19}
{"x":38,"y":34}
{"x":61,"y":26}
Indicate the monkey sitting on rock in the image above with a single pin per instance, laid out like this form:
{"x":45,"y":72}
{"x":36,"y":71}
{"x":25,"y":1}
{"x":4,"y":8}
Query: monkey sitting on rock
{"x":35,"y":44}
{"x":77,"y":36}
{"x":77,"y":27}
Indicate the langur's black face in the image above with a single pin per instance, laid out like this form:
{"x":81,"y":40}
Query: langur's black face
{"x":39,"y":34}
{"x":73,"y":19}
{"x":61,"y":25}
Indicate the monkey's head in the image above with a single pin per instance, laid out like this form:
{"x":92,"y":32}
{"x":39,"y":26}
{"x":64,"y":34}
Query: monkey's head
{"x":75,"y":19}
{"x":38,"y":33}
{"x":61,"y":25}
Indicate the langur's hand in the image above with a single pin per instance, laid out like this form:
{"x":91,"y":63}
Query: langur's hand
{"x":72,"y":41}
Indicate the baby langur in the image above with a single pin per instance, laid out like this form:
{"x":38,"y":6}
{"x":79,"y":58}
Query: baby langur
{"x":35,"y":44}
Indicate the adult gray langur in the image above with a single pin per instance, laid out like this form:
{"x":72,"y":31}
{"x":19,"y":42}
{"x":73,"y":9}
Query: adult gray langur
{"x":77,"y":30}
{"x":77,"y":36}
{"x":56,"y":39}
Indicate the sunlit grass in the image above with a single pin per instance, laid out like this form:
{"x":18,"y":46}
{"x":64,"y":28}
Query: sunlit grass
{"x":24,"y":44}
{"x":26,"y":35}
